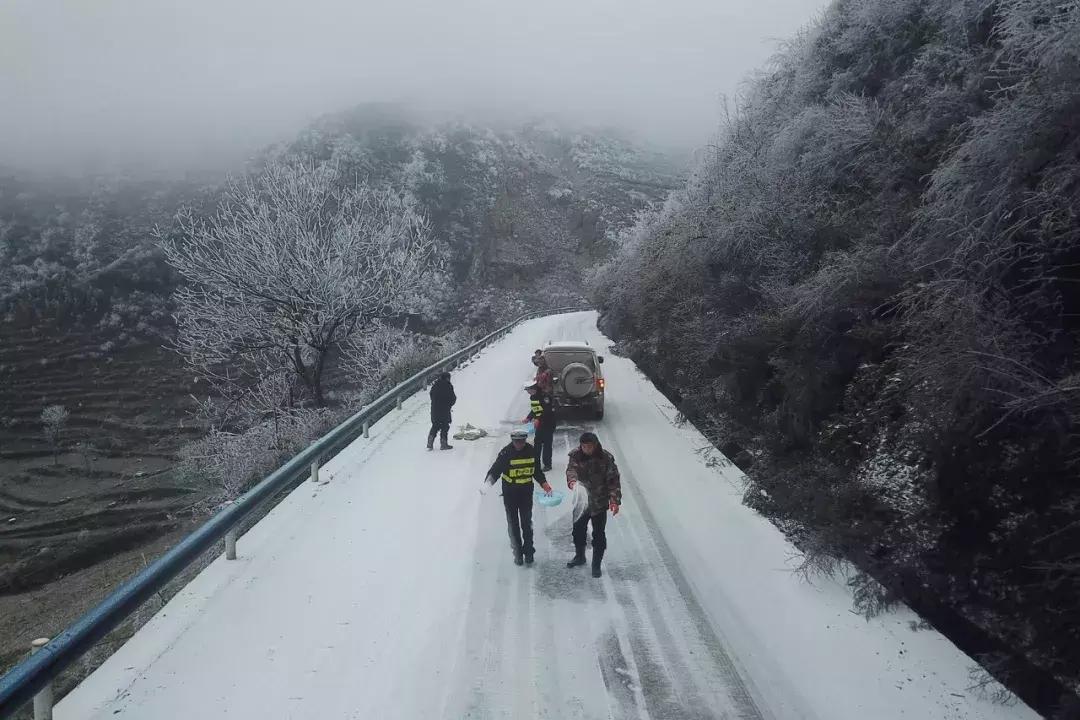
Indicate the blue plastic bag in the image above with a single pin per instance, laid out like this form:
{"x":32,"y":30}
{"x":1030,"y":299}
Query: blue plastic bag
{"x":551,"y":500}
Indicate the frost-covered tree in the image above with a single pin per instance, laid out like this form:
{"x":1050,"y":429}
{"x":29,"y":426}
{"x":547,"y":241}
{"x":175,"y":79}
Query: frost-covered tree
{"x":54,"y":419}
{"x":296,"y":259}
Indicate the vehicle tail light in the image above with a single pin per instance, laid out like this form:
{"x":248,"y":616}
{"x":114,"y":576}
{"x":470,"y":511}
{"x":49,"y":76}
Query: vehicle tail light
{"x":599,"y":383}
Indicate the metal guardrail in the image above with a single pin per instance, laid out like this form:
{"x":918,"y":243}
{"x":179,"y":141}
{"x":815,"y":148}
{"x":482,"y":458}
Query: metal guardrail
{"x":34,"y":675}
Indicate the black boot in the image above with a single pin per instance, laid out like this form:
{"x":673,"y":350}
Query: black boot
{"x":528,"y":558}
{"x":518,"y":559}
{"x":578,"y":559}
{"x":444,"y":446}
{"x":431,"y":441}
{"x":597,"y":558}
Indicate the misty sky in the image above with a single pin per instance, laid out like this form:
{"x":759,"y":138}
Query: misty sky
{"x":182,"y":83}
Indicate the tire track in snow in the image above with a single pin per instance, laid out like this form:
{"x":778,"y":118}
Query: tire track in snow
{"x":482,"y":627}
{"x":630,"y":572}
{"x":683,"y":650}
{"x":724,"y":666}
{"x":524,"y":668}
{"x":484,"y":682}
{"x":576,"y":670}
{"x":616,"y":663}
{"x":546,"y":633}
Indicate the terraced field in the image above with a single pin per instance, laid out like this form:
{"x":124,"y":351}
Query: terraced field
{"x":66,"y":521}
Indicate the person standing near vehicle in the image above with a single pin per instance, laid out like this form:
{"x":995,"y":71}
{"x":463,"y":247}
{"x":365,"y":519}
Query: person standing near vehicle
{"x":517,"y":467}
{"x":543,"y":376}
{"x":595,"y":468}
{"x":542,"y":415}
{"x":443,"y":399}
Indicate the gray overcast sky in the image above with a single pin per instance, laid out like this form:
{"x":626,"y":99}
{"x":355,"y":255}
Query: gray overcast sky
{"x":178,"y":82}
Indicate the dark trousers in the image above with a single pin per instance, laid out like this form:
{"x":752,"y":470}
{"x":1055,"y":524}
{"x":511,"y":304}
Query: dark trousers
{"x":544,"y":438}
{"x":442,"y":427}
{"x":518,"y":501}
{"x":599,"y":537}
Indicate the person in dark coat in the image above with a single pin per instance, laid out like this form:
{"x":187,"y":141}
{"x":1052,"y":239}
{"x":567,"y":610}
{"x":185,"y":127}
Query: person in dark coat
{"x":517,"y":467}
{"x":595,"y":468}
{"x":442,"y":400}
{"x":542,"y":416}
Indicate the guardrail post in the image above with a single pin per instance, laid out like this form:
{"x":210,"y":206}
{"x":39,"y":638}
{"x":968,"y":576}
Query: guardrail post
{"x":315,"y":470}
{"x":43,"y":701}
{"x":399,"y":402}
{"x":230,"y":544}
{"x":367,"y":429}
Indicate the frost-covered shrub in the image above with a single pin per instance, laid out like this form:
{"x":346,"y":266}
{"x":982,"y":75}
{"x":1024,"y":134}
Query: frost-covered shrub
{"x":560,"y":194}
{"x":233,"y":461}
{"x":385,"y":356}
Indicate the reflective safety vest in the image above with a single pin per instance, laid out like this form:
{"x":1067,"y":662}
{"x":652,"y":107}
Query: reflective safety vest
{"x":537,"y":409}
{"x":521,"y":471}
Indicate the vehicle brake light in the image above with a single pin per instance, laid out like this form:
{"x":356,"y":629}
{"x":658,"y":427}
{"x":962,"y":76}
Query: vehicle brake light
{"x":599,"y":383}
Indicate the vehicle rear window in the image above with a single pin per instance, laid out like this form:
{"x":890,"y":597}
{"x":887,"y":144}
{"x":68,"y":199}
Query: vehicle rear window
{"x":559,"y":359}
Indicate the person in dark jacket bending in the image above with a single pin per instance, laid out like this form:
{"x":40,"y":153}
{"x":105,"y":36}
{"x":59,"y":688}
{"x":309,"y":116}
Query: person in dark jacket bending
{"x":515,"y":469}
{"x":542,"y":416}
{"x":595,"y":468}
{"x":442,"y":400}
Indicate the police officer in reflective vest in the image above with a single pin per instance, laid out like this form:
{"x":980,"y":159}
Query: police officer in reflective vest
{"x":542,"y":416}
{"x":516,"y":469}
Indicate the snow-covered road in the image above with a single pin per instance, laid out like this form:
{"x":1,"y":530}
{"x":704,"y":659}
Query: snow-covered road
{"x":389,"y":592}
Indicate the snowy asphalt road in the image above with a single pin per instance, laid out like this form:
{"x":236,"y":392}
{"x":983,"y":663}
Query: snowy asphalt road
{"x":389,"y":592}
{"x":551,"y":642}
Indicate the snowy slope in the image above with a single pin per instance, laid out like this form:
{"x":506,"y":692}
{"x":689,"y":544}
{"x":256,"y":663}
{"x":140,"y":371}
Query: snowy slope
{"x":389,"y":593}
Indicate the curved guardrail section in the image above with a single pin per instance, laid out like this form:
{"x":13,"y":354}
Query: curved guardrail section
{"x":35,"y":674}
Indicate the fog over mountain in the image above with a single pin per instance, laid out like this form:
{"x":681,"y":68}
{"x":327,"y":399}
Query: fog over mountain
{"x":161,"y":84}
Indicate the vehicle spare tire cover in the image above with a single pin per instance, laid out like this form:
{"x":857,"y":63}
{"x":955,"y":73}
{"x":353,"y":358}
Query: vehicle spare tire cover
{"x":577,"y":380}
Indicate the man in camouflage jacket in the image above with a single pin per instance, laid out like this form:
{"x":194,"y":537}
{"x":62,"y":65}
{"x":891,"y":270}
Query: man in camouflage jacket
{"x":595,"y":468}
